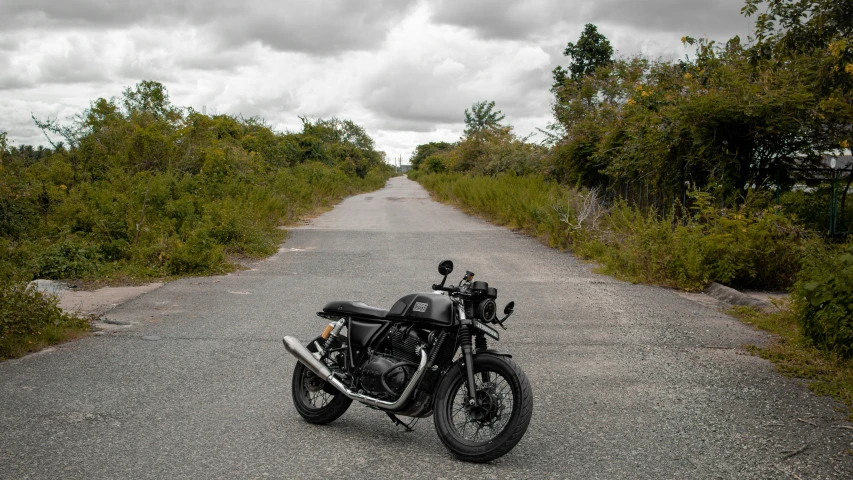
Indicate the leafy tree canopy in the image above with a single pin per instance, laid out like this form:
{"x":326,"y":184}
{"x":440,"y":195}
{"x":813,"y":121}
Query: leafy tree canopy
{"x":592,"y":51}
{"x":482,"y":117}
{"x":800,"y":25}
{"x":149,"y":97}
{"x":422,"y":152}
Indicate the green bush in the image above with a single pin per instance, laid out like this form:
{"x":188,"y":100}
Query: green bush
{"x":30,"y":319}
{"x":68,"y":259}
{"x":197,"y":255}
{"x":743,"y":247}
{"x":823,"y":298}
{"x":812,"y":208}
{"x":17,"y":215}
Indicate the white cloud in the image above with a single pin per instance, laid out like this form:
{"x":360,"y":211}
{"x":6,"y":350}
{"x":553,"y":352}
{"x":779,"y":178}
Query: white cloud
{"x":405,"y":70}
{"x":449,"y":68}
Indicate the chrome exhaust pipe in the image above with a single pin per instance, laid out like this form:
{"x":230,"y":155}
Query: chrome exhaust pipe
{"x":302,"y":354}
{"x":295,"y":348}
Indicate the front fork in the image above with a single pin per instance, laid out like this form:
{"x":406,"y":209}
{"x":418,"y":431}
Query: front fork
{"x":468,"y":356}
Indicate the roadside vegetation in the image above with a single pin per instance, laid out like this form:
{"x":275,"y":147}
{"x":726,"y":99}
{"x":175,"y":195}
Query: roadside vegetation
{"x":795,"y":355}
{"x":134,"y":188}
{"x":714,"y":168}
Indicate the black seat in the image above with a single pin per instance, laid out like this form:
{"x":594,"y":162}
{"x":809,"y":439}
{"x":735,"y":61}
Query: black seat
{"x":354,"y":308}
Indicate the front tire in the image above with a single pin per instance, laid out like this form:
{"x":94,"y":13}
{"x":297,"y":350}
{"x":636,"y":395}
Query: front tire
{"x":482,"y":434}
{"x":315,"y":400}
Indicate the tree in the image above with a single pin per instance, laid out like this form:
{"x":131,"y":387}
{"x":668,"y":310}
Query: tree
{"x":72,"y":134}
{"x":149,"y":97}
{"x":424,"y":151}
{"x":592,"y":51}
{"x":817,"y":36}
{"x":338,"y":142}
{"x":4,"y":145}
{"x":800,"y":25}
{"x":482,"y":117}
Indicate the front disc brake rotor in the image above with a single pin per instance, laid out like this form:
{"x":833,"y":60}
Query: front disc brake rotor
{"x":488,"y":407}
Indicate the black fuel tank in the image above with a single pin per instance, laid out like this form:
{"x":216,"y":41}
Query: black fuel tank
{"x":430,"y":308}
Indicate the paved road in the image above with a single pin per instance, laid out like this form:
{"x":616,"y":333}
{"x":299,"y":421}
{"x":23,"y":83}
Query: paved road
{"x":629,"y":381}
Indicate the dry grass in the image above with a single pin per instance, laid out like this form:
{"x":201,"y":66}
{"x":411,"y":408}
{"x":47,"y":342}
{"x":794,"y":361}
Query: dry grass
{"x":825,"y":373}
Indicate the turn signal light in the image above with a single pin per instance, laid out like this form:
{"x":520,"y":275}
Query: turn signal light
{"x":327,"y":331}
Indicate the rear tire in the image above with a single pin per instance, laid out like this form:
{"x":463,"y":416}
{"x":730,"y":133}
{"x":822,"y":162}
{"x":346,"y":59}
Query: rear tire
{"x":505,"y":412}
{"x":315,"y":400}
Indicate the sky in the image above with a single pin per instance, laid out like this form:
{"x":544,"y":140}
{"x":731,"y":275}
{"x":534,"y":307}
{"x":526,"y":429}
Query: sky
{"x":406,"y":70}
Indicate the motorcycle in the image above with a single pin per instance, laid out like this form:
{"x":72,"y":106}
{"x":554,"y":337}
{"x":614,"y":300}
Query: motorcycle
{"x":404,"y":362}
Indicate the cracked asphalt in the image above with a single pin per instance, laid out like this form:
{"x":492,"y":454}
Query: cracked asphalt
{"x":629,"y":381}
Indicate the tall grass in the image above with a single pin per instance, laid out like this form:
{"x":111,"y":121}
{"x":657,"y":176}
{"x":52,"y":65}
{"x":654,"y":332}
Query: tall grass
{"x":746,"y":247}
{"x":526,"y":203}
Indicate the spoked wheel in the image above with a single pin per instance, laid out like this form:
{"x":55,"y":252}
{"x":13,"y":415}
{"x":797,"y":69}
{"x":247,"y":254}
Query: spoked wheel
{"x":314,"y":399}
{"x":498,"y":419}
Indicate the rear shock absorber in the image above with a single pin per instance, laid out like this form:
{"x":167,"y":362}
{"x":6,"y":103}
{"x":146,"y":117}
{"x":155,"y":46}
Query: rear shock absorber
{"x":330,"y":334}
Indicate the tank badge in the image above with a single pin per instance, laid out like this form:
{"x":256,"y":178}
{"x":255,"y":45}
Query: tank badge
{"x":420,"y":307}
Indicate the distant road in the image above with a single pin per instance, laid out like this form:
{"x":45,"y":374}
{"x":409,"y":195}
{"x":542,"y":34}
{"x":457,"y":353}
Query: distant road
{"x":629,"y":381}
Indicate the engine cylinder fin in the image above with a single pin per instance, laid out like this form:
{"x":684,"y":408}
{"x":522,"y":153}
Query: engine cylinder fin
{"x":404,"y":346}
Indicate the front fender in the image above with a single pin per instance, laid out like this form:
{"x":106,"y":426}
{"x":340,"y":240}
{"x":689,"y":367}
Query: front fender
{"x":490,"y":351}
{"x":460,"y":363}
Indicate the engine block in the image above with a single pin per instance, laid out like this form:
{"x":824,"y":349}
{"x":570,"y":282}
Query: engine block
{"x":385,"y":376}
{"x":404,"y":345}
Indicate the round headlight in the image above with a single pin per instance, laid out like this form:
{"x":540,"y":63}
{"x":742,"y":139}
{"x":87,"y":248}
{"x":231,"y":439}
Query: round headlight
{"x":487,"y":310}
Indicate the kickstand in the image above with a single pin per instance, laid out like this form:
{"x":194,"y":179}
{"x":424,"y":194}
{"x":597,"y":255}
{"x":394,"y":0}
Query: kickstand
{"x":398,"y":422}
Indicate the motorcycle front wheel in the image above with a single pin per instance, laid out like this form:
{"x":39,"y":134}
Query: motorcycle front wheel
{"x":492,"y":427}
{"x":314,"y":399}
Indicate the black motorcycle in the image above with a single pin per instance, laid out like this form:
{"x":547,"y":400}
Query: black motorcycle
{"x":404,"y":361}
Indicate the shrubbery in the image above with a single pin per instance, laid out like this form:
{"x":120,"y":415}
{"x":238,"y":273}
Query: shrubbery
{"x":744,"y":246}
{"x":139,"y":189}
{"x":30,"y":319}
{"x":747,"y":246}
{"x":823,"y":298}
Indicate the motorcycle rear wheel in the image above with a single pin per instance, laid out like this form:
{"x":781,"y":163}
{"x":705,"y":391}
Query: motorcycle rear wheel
{"x":482,"y":434}
{"x":315,"y":400}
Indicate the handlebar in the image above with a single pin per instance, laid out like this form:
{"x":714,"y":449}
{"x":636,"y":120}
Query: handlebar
{"x":454,"y":291}
{"x":440,"y":288}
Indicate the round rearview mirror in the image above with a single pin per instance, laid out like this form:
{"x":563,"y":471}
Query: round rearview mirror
{"x":445,"y":267}
{"x":509,"y":308}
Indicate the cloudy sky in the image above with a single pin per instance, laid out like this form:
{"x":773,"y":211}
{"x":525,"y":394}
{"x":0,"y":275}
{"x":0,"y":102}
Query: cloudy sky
{"x":406,"y":70}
